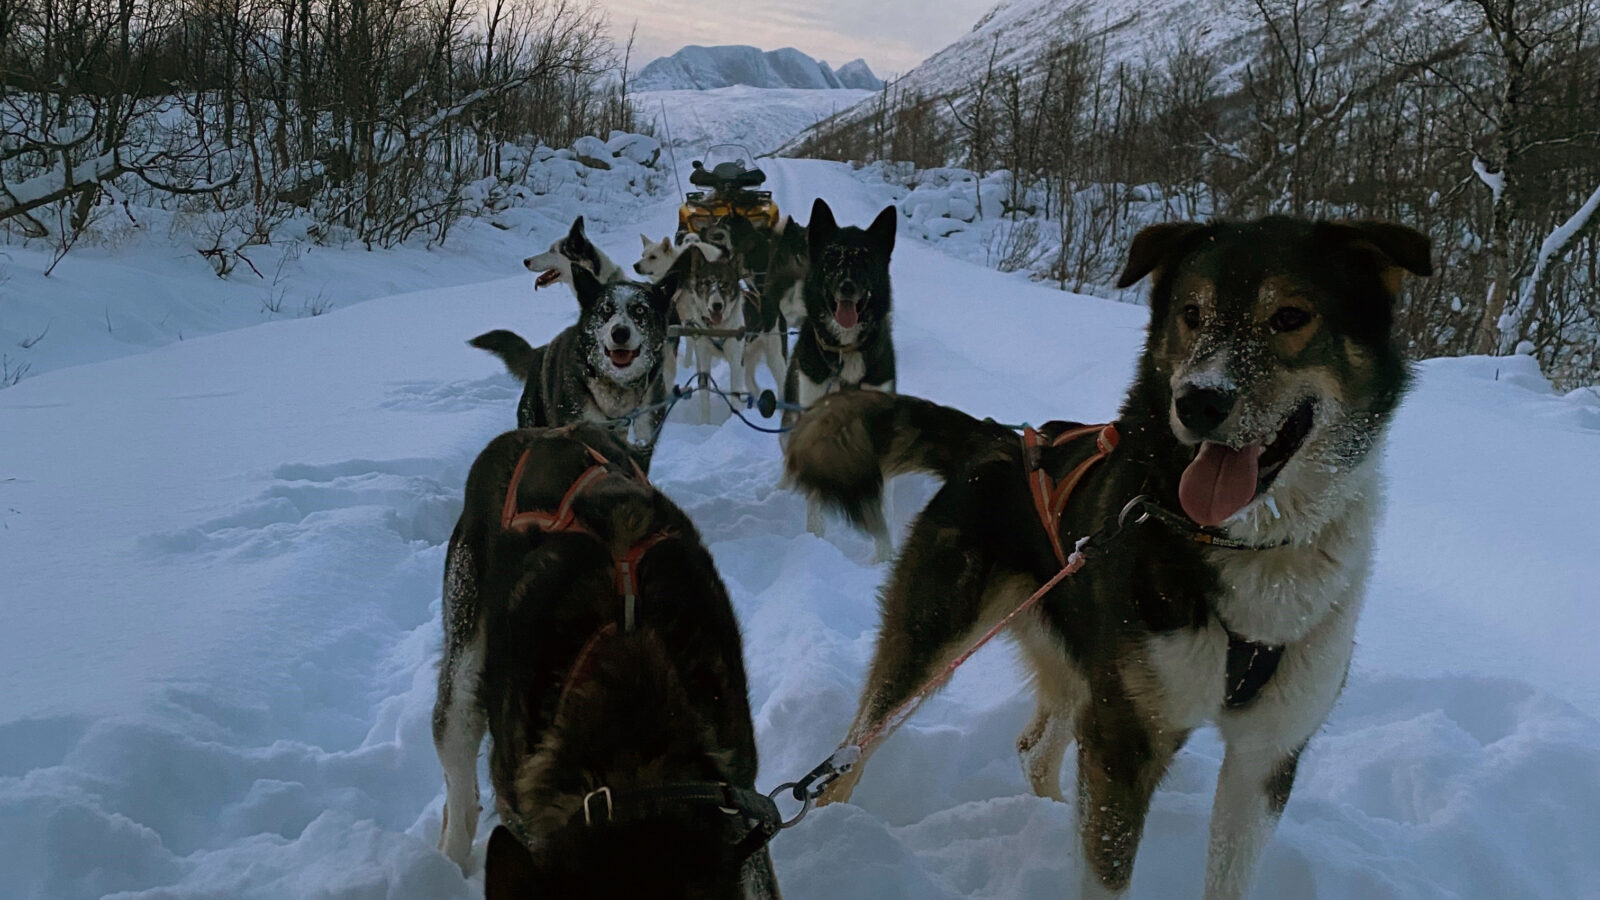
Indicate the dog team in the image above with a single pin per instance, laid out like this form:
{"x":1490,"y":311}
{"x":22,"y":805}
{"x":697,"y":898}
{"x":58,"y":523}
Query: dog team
{"x":1229,"y":512}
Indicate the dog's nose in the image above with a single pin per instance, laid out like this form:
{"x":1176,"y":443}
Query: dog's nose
{"x":620,"y":335}
{"x":1202,"y":409}
{"x":716,"y":306}
{"x":848,"y":290}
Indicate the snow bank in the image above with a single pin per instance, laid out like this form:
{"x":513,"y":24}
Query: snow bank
{"x":138,"y":283}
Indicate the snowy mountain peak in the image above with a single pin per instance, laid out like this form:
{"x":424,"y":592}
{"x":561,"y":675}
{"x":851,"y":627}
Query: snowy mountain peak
{"x":857,"y":74}
{"x":704,"y":68}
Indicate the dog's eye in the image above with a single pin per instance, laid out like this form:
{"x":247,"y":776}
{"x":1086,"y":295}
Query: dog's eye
{"x":1288,"y":318}
{"x":1191,"y":315}
{"x":637,"y":309}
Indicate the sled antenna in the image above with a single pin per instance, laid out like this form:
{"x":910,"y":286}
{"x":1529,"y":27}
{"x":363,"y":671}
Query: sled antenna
{"x":667,"y":127}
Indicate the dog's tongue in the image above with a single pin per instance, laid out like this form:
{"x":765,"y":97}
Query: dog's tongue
{"x":548,"y":276}
{"x":622,"y":358}
{"x":844,"y":312}
{"x":1219,"y":483}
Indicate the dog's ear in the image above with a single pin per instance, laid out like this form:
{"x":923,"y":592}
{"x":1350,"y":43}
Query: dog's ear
{"x":586,"y":286}
{"x":575,"y":233}
{"x":666,"y":287}
{"x":1156,"y":248}
{"x":666,"y":244}
{"x":1397,"y":249}
{"x":682,"y":266}
{"x":509,"y":870}
{"x":881,"y":231}
{"x":822,"y":227}
{"x":645,"y":242}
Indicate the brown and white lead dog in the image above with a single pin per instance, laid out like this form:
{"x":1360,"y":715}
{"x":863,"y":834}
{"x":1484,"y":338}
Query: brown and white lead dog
{"x":1254,"y":429}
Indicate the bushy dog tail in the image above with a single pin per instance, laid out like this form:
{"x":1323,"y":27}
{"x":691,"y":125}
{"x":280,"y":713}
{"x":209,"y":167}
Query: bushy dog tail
{"x":844,"y":447}
{"x":515,"y":352}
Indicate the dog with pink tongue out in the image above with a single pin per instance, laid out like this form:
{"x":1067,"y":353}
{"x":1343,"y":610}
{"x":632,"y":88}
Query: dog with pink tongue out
{"x":1233,"y":505}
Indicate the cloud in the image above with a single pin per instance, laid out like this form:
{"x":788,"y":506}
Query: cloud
{"x":891,"y":35}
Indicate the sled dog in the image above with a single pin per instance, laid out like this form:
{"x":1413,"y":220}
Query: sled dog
{"x":574,"y":250}
{"x":1228,"y":593}
{"x":605,"y":368}
{"x":710,"y":295}
{"x":587,"y":631}
{"x":844,"y":337}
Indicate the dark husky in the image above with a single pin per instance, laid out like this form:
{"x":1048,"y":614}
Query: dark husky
{"x":573,"y":250}
{"x":603,"y":369}
{"x":786,"y":271}
{"x":587,"y":631}
{"x":1268,"y":380}
{"x":844,"y":338}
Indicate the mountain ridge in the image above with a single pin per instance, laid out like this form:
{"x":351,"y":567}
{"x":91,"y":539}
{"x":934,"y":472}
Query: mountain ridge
{"x":698,"y":67}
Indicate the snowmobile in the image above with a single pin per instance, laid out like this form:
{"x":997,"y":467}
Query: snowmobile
{"x":730,"y":184}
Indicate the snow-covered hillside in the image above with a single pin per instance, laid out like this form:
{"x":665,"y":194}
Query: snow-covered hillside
{"x":141,"y":283}
{"x":701,"y":68}
{"x":222,"y":562}
{"x":760,"y":118}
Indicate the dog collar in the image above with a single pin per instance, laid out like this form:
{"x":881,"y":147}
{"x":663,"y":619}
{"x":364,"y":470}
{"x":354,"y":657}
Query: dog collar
{"x":1211,"y":537}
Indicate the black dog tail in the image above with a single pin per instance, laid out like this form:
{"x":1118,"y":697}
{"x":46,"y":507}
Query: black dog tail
{"x":515,"y":352}
{"x":844,"y":447}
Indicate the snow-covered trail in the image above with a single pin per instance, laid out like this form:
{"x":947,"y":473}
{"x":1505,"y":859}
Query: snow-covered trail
{"x":222,"y":567}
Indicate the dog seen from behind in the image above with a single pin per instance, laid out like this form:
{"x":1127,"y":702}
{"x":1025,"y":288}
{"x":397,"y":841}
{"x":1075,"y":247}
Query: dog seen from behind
{"x":1232,"y":507}
{"x":844,"y":339}
{"x":606,"y":368}
{"x":587,"y":631}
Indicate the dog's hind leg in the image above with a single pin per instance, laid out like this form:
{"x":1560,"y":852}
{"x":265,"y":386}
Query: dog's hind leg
{"x":1059,"y":692}
{"x":458,"y":718}
{"x":938,"y":599}
{"x":1121,"y":759}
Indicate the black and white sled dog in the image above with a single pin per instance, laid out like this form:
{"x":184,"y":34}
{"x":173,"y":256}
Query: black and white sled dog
{"x":1253,"y":434}
{"x":786,"y":273}
{"x":604,"y":369}
{"x":587,"y":631}
{"x":844,"y":337}
{"x":574,"y":249}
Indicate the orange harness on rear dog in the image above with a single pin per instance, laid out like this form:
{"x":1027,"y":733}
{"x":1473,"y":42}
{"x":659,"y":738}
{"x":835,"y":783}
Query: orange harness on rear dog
{"x":564,"y":520}
{"x":1050,"y":496}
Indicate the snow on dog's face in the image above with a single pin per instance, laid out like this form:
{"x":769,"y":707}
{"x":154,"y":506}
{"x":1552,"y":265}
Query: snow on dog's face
{"x":556,"y":264}
{"x":1273,"y":341}
{"x":708,"y":291}
{"x":847,"y":289}
{"x":623,"y":325}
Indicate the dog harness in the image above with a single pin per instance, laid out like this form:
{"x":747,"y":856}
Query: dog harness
{"x":757,"y":811}
{"x":1050,"y":496}
{"x":564,"y":520}
{"x":1250,"y":664}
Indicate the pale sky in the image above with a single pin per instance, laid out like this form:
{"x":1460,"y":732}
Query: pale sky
{"x":891,"y":35}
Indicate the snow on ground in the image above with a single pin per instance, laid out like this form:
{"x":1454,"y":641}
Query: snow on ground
{"x":223,"y":558}
{"x":760,"y":118}
{"x":138,"y":281}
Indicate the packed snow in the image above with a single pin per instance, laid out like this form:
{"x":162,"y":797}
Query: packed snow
{"x":223,"y":561}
